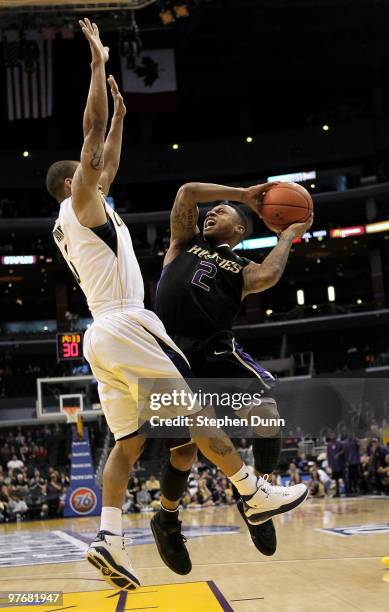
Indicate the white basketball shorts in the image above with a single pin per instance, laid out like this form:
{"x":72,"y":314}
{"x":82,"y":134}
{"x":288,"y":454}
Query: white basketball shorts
{"x":122,"y":347}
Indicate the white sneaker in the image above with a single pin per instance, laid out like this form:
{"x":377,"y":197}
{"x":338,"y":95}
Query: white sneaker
{"x":270,"y":500}
{"x":108,"y":554}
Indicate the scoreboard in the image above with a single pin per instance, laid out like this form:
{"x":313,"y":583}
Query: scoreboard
{"x":69,"y":346}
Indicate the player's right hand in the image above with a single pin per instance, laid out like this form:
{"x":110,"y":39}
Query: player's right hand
{"x":297,"y":230}
{"x":100,"y":54}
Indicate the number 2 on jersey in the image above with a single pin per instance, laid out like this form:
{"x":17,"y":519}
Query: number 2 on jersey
{"x":206,"y":270}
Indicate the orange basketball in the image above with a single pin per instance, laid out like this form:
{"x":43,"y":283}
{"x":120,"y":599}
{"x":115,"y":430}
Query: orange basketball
{"x":284,"y":204}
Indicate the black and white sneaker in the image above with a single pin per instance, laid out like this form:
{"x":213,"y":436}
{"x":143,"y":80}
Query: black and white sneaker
{"x":171,"y":545}
{"x":108,"y":554}
{"x":263,"y":536}
{"x":270,"y":500}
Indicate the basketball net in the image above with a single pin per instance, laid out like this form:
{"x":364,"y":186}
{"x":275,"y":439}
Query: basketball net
{"x":73,"y":416}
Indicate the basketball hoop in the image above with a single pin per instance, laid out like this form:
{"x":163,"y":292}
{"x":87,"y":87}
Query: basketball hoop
{"x":72,"y":413}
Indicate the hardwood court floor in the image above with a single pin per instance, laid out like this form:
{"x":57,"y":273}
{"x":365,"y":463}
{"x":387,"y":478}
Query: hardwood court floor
{"x":312,"y":570}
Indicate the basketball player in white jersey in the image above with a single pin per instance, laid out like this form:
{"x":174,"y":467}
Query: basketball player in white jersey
{"x":125,"y":341}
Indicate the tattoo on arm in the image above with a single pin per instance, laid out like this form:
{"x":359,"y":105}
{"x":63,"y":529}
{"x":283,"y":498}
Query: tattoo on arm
{"x":261,"y":277}
{"x":183,"y":221}
{"x":96,"y":158}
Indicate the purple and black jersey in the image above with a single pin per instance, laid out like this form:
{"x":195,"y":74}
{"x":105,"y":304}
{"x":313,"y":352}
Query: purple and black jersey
{"x":200,"y":292}
{"x":198,"y":297}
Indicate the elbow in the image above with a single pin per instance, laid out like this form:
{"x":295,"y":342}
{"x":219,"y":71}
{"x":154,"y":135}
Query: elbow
{"x":187,"y":194}
{"x":96,"y":125}
{"x":188,"y":191}
{"x":267,"y":280}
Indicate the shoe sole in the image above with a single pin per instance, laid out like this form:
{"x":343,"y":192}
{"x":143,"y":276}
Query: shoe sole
{"x":161,"y":554}
{"x":262,"y":517}
{"x":112,"y":573}
{"x":268,"y":552}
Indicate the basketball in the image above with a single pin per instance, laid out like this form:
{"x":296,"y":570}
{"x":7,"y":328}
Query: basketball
{"x":285,"y":204}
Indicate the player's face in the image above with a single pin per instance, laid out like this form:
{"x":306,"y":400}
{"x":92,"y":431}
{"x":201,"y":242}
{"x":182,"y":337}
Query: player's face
{"x":221,"y":224}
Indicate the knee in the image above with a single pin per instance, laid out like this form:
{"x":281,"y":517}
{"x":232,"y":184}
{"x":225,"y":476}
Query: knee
{"x":129,"y":449}
{"x":184,"y":457}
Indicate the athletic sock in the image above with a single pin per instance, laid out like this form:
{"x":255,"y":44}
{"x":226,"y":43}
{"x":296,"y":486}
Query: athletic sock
{"x":111,"y":520}
{"x":245,"y":480}
{"x":167,"y":516}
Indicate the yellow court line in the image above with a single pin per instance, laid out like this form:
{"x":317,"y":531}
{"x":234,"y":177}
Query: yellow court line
{"x":190,"y":596}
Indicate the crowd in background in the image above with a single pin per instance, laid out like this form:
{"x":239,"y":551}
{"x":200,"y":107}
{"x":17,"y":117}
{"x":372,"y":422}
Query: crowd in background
{"x":34,"y":472}
{"x":33,"y":475}
{"x":347,"y":467}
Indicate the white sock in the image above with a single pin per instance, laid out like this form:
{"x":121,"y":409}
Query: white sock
{"x":111,"y":520}
{"x":245,"y":480}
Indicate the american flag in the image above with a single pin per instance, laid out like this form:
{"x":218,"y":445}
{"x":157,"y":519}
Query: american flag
{"x":29,"y":82}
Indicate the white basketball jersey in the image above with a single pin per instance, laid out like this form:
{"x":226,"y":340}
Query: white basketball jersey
{"x":107,"y":272}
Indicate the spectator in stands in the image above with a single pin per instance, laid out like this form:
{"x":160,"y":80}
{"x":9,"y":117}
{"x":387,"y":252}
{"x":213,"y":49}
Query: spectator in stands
{"x":128,"y":504}
{"x":224,"y":490}
{"x":324,"y":478}
{"x":153,"y":486}
{"x":4,"y":498}
{"x":17,"y":508}
{"x":315,"y":483}
{"x":24,"y":452}
{"x":54,"y":490}
{"x":20,"y":485}
{"x":14,"y":463}
{"x":302,"y":463}
{"x":143,"y":498}
{"x":376,"y":453}
{"x":353,"y":465}
{"x":204,"y":495}
{"x":383,"y":473}
{"x":245,"y":451}
{"x":294,"y":474}
{"x":291,"y":441}
{"x":2,"y":512}
{"x":64,"y":479}
{"x":336,"y":462}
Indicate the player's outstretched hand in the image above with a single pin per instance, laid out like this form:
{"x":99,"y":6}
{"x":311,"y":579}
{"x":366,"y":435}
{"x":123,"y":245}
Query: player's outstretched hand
{"x":252,"y":196}
{"x":297,"y":230}
{"x":118,"y":104}
{"x":100,"y":54}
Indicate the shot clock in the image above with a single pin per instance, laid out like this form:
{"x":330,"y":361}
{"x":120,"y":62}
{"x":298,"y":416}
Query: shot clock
{"x":69,"y":346}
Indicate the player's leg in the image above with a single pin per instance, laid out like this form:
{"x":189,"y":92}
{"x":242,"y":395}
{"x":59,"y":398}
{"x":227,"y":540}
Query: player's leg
{"x":235,"y":363}
{"x":266,"y":452}
{"x":107,"y":552}
{"x":120,"y":463}
{"x":261,"y":499}
{"x":104,"y":351}
{"x":165,"y":525}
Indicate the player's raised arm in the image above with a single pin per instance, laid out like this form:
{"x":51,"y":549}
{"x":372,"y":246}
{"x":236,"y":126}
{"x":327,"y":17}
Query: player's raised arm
{"x":259,"y":277}
{"x":86,"y":200}
{"x":113,"y":143}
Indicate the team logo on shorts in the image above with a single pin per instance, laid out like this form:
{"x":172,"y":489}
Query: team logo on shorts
{"x":83,"y":500}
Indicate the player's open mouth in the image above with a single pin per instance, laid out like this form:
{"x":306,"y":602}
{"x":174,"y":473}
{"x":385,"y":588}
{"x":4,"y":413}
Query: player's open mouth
{"x":209,"y":223}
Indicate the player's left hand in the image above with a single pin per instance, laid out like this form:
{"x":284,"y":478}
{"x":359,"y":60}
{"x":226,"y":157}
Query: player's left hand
{"x":119,"y":106}
{"x":297,"y":230}
{"x":252,"y":196}
{"x":100,"y":53}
